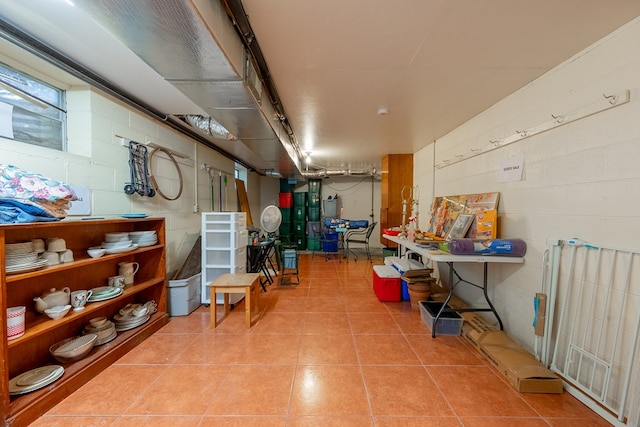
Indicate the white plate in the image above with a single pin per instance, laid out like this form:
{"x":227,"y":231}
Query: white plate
{"x":25,"y":268}
{"x":107,"y":339}
{"x":105,"y":297}
{"x":130,"y":325}
{"x":47,"y":375}
{"x":121,"y":250}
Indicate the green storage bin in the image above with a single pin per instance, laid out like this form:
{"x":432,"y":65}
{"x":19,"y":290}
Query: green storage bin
{"x":285,"y":228}
{"x":313,"y":243}
{"x":299,"y":227}
{"x":299,"y":199}
{"x":389,"y":252}
{"x":315,"y":186}
{"x":314,"y":200}
{"x":286,"y":214}
{"x":314,"y":214}
{"x":299,"y":213}
{"x":285,"y":186}
{"x":300,"y":242}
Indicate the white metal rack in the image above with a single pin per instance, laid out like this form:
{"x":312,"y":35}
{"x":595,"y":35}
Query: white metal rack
{"x":224,"y":249}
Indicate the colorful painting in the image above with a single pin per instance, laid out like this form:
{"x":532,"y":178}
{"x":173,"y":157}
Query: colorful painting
{"x":445,"y":210}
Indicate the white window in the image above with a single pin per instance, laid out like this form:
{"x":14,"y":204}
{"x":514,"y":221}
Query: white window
{"x":38,"y":110}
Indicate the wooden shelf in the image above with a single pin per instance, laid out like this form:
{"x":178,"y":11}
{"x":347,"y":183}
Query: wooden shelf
{"x":32,"y":349}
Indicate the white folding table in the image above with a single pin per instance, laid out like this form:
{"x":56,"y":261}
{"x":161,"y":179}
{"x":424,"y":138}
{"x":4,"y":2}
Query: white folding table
{"x":441,"y":256}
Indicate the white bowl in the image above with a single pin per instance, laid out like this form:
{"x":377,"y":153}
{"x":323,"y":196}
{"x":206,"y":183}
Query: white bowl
{"x":58,"y":312}
{"x":96,"y":252}
{"x":74,"y":348}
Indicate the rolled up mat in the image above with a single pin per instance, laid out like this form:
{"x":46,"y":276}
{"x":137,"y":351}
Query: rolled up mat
{"x":505,"y":247}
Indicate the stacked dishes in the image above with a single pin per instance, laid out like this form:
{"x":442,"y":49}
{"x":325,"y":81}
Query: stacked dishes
{"x":73,"y":349}
{"x":21,"y":258}
{"x":103,"y":328}
{"x":104,"y":293}
{"x":133,"y":315}
{"x":143,"y":238}
{"x":115,"y":243}
{"x":35,"y":379}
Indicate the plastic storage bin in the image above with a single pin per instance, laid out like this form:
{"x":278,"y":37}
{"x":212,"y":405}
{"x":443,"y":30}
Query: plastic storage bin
{"x":299,"y":199}
{"x":331,"y":207}
{"x":386,"y":283}
{"x":184,"y":295}
{"x":285,"y":200}
{"x":449,"y":322}
{"x":314,"y":214}
{"x":299,"y":213}
{"x":330,"y":241}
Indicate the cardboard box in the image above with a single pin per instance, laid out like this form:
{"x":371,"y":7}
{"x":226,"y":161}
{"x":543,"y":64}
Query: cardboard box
{"x":519,"y":366}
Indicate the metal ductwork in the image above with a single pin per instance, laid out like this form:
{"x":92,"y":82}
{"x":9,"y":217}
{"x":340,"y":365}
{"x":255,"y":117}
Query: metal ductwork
{"x":194,"y":46}
{"x":208,"y":126}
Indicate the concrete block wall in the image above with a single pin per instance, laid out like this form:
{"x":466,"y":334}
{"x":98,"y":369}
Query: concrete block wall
{"x":580,"y":180}
{"x":97,"y":159}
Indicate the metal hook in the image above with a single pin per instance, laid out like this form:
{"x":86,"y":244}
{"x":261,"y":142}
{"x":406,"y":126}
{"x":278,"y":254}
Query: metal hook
{"x":496,"y":143}
{"x":522,"y":133}
{"x":613,"y":99}
{"x":476,"y":150}
{"x":558,"y":119}
{"x":460,"y":156}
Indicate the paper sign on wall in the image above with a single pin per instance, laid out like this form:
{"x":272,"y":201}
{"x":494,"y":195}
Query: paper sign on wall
{"x":6,"y":120}
{"x":82,"y":206}
{"x":511,"y":168}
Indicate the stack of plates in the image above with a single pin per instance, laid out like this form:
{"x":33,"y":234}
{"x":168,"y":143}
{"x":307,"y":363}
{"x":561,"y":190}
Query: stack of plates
{"x":144,"y":238}
{"x":104,"y":293}
{"x":115,"y":243}
{"x":35,"y":379}
{"x":21,"y":257}
{"x":133,"y":315}
{"x":106,"y":331}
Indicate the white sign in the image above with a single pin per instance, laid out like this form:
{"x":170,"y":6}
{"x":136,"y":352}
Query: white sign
{"x":82,"y":206}
{"x":511,"y":168}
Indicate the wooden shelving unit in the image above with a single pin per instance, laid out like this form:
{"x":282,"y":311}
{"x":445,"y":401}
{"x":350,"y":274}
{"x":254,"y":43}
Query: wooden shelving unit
{"x":32,"y":349}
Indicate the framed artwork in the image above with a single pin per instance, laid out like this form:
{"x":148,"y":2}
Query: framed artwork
{"x":460,"y":227}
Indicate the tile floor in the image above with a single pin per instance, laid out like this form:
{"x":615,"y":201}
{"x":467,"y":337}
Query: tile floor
{"x":323,"y":353}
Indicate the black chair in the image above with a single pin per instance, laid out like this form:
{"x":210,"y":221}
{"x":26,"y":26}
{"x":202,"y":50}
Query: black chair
{"x":361,"y":237}
{"x":261,"y":266}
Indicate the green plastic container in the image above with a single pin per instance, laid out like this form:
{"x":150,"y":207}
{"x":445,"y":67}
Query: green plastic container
{"x":313,"y":243}
{"x":299,"y":227}
{"x":314,"y":200}
{"x":285,"y":227}
{"x":299,"y":213}
{"x":299,"y":199}
{"x":300,"y":242}
{"x":286,"y":214}
{"x":315,"y":186}
{"x":314,"y":214}
{"x":285,"y":187}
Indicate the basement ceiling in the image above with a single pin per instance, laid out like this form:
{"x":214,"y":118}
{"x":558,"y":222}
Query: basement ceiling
{"x":356,"y":79}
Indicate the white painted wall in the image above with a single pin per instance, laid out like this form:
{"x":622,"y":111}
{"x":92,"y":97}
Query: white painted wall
{"x":97,"y":159}
{"x":581,"y":179}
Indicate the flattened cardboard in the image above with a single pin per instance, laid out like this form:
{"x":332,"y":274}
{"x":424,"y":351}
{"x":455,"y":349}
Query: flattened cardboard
{"x":520,"y":368}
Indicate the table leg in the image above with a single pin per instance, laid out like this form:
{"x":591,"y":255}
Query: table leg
{"x":226,"y":303}
{"x":212,"y":307}
{"x":247,"y":305}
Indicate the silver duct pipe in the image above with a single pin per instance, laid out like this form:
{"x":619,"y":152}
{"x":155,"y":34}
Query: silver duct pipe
{"x":208,"y":125}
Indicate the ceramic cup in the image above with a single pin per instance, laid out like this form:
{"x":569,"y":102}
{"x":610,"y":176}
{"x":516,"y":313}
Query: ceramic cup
{"x":128,"y":270}
{"x":15,"y":321}
{"x":56,"y":245}
{"x":53,"y":258}
{"x":66,"y":256}
{"x":79,"y":299}
{"x":116,"y":281}
{"x":38,"y":245}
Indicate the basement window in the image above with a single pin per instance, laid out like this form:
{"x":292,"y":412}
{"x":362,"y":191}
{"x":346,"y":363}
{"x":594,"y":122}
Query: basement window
{"x":31,"y":111}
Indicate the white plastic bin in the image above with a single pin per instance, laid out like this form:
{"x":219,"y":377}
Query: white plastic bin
{"x":184,"y":295}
